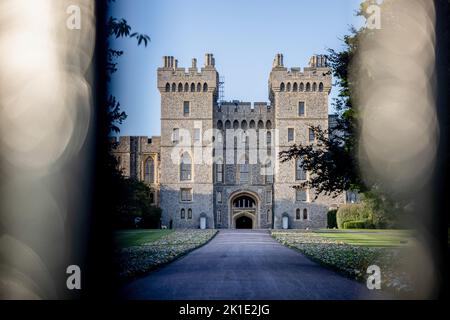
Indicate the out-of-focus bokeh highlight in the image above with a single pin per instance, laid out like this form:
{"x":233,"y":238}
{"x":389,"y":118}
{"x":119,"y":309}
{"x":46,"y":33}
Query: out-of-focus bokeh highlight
{"x":45,"y":120}
{"x":393,"y":77}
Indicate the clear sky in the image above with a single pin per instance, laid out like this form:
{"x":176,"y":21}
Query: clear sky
{"x":243,"y":35}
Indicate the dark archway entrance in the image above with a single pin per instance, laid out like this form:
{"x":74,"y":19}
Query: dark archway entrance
{"x":244,"y":222}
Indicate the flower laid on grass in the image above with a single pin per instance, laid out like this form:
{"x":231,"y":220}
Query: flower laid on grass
{"x":352,"y":260}
{"x":137,"y":260}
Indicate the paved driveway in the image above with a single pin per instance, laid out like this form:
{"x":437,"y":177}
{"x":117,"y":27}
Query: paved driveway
{"x":245,"y":264}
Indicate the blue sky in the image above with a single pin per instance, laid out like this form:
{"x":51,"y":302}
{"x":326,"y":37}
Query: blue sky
{"x":243,"y":35}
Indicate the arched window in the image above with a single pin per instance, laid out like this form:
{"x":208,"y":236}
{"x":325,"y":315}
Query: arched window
{"x":219,"y":125}
{"x":268,"y":125}
{"x":185,"y":167}
{"x":192,"y":87}
{"x":297,"y":214}
{"x":282,"y":87}
{"x":268,"y":215}
{"x":305,"y":214}
{"x":174,"y":87}
{"x":260,"y":124}
{"x":189,"y":213}
{"x":314,"y":86}
{"x":302,"y":87}
{"x":244,"y":125}
{"x":180,"y":87}
{"x":182,"y":214}
{"x":269,"y":138}
{"x":205,"y":87}
{"x":199,"y":87}
{"x":321,"y":87}
{"x":300,"y":174}
{"x":295,"y":87}
{"x":167,"y":87}
{"x":228,"y":124}
{"x":152,"y":198}
{"x":186,"y":87}
{"x":244,"y":202}
{"x":149,"y":170}
{"x":235,"y":124}
{"x":288,"y":87}
{"x":252,"y":124}
{"x":308,"y":87}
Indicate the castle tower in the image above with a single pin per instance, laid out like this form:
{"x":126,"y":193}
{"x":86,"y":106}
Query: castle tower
{"x":300,"y":100}
{"x":187,"y":101}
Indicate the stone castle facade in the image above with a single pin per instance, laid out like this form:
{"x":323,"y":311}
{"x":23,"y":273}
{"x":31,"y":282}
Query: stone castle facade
{"x":216,"y":165}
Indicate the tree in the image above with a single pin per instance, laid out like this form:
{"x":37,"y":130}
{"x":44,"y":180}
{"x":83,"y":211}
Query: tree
{"x":120,"y":189}
{"x":334,"y":162}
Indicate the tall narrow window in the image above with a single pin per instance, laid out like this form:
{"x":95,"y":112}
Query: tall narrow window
{"x":167,"y":87}
{"x":152,"y":198}
{"x":219,"y":197}
{"x":301,"y":108}
{"x":180,"y":87}
{"x":186,"y":108}
{"x":182,"y":214}
{"x":175,"y":135}
{"x":297,"y":214}
{"x":300,"y":195}
{"x":243,"y":174}
{"x":219,"y":172}
{"x":185,"y":167}
{"x":189,"y":213}
{"x":269,"y":196}
{"x":300,"y":174}
{"x":186,"y":194}
{"x":305,"y":214}
{"x":192,"y":87}
{"x":269,"y":138}
{"x":282,"y":87}
{"x":308,"y":87}
{"x":268,"y":216}
{"x":321,"y":87}
{"x":149,"y":171}
{"x":196,"y":135}
{"x":290,"y":134}
{"x":312,"y":135}
{"x":219,"y":216}
{"x":268,"y":172}
{"x":205,"y":87}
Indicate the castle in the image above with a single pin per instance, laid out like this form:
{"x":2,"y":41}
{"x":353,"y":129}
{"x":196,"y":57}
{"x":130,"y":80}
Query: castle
{"x":216,"y":163}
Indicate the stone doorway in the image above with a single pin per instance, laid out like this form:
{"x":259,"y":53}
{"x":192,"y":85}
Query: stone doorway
{"x":244,"y":222}
{"x":243,"y":211}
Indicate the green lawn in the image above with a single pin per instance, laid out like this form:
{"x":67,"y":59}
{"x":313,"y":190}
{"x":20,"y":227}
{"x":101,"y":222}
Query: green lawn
{"x":141,"y":251}
{"x":129,"y":238}
{"x":353,"y":251}
{"x":368,"y":238}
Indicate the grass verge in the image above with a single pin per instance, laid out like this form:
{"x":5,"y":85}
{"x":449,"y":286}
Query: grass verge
{"x":137,"y":260}
{"x":351,"y":253}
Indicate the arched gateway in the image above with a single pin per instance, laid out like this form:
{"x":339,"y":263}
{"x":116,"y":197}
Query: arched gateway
{"x":243,"y":210}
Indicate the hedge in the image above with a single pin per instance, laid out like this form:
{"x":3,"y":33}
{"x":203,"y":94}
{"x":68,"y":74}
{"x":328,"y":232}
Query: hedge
{"x":349,"y":212}
{"x":331,"y":219}
{"x":358,"y":224}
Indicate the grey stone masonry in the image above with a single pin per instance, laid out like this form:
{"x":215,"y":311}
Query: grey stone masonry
{"x":215,"y":164}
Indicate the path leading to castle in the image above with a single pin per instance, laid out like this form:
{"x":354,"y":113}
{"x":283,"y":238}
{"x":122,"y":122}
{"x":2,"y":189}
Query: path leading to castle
{"x":245,"y":264}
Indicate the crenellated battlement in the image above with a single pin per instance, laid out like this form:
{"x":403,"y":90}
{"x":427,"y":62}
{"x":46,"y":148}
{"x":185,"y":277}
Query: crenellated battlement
{"x":314,"y":78}
{"x":172,"y":78}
